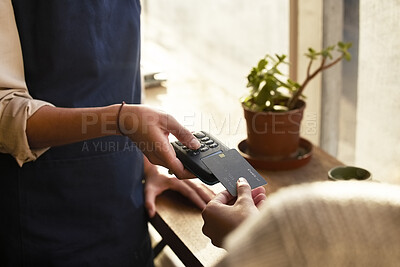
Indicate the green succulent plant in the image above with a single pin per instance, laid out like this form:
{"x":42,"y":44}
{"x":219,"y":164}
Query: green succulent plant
{"x":272,"y":90}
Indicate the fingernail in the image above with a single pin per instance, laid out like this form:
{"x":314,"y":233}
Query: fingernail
{"x":242,"y":180}
{"x":194,"y":143}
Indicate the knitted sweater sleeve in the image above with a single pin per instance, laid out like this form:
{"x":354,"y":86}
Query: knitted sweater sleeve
{"x":322,"y":224}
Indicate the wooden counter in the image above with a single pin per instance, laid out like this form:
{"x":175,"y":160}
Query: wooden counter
{"x":180,"y":223}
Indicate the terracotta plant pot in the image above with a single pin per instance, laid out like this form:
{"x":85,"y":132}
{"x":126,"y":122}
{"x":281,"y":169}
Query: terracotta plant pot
{"x":274,"y":134}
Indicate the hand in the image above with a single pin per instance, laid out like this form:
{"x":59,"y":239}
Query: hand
{"x":224,"y":213}
{"x":156,"y":183}
{"x":149,"y":129}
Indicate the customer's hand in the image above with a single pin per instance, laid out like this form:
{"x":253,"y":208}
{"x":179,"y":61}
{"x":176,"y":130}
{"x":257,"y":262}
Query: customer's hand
{"x":157,"y":182}
{"x":224,"y":213}
{"x":149,"y":129}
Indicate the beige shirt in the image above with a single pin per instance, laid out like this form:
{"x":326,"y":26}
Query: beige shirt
{"x":321,"y":224}
{"x":16,"y":105}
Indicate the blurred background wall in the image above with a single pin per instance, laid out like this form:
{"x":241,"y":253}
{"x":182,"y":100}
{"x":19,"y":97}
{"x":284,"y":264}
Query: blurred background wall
{"x":219,"y":41}
{"x":377,"y":145}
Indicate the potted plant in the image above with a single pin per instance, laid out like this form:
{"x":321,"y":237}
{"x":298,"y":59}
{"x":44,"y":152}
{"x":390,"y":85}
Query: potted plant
{"x":274,"y":106}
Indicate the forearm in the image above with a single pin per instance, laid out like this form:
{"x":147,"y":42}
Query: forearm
{"x":147,"y":127}
{"x":52,"y":126}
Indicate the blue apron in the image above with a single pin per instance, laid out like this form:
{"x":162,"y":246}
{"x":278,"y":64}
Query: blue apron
{"x":80,"y":204}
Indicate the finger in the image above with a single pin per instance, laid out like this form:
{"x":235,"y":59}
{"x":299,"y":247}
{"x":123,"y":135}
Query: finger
{"x":184,"y":175}
{"x":182,"y":134}
{"x":166,"y":157}
{"x":187,"y":175}
{"x":150,"y":202}
{"x":261,"y":203}
{"x":188,"y":192}
{"x":179,"y":170}
{"x":258,"y":190}
{"x":243,"y":190}
{"x":259,"y":199}
{"x":223,"y":198}
{"x":203,"y":191}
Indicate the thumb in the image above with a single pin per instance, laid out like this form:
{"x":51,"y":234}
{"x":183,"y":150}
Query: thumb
{"x":243,"y":190}
{"x":182,"y":134}
{"x":150,"y":203}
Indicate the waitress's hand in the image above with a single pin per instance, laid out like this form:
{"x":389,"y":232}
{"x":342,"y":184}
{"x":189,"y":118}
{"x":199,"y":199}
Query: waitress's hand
{"x":157,"y":182}
{"x":149,"y":129}
{"x":224,"y":213}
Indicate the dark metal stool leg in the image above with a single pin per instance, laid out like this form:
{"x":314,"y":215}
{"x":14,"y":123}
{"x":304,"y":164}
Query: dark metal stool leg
{"x":159,"y":247}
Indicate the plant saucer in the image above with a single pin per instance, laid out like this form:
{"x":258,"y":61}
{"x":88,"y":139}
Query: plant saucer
{"x":299,"y":159}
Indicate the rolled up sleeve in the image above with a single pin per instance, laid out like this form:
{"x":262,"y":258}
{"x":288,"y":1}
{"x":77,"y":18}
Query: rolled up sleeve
{"x":16,"y":105}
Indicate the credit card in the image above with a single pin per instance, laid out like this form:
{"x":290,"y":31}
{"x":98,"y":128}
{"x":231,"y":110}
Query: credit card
{"x":229,"y":166}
